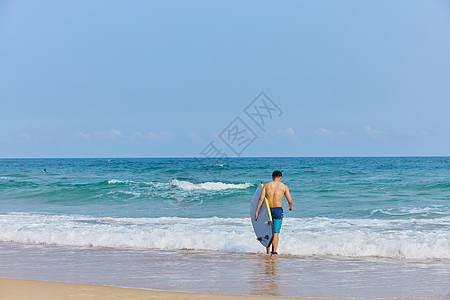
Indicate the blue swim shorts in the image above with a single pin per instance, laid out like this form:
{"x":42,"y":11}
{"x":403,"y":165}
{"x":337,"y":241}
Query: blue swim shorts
{"x":277,"y":218}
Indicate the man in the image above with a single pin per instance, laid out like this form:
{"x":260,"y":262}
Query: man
{"x":274,"y":192}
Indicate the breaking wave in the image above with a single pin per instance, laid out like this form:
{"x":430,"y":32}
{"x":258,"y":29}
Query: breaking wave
{"x":212,"y":186}
{"x":303,"y":237}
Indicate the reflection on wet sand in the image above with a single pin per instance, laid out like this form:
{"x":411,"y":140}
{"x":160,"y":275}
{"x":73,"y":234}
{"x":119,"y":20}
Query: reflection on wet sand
{"x":264,"y":279}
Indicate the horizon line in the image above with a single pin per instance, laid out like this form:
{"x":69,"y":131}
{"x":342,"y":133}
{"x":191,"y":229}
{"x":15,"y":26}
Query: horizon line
{"x":232,"y":157}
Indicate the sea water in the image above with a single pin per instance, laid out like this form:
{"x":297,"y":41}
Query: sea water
{"x":358,"y":224}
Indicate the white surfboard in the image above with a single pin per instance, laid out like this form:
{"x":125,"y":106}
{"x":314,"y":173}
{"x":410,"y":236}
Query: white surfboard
{"x":262,"y":226}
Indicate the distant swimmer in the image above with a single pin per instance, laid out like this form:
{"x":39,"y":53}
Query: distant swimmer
{"x":274,"y":192}
{"x":45,"y":170}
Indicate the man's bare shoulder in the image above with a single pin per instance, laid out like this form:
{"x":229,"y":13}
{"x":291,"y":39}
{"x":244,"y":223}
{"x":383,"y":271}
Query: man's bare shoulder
{"x":270,"y":184}
{"x":276,"y":185}
{"x":283,"y":186}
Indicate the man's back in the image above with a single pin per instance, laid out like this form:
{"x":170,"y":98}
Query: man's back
{"x":275,"y":191}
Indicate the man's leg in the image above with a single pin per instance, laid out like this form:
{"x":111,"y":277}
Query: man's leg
{"x":276,"y":237}
{"x":268,"y":250}
{"x":276,"y":234}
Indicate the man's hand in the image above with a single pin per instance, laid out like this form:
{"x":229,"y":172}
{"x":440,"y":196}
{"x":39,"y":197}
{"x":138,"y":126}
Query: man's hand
{"x":289,"y":198}
{"x":256,"y":216}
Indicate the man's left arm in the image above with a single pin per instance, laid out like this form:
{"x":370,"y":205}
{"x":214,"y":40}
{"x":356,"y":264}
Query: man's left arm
{"x":289,"y":198}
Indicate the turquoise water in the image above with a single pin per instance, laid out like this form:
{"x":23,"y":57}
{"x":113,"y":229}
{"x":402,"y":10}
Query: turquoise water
{"x":381,"y":207}
{"x":322,"y":187}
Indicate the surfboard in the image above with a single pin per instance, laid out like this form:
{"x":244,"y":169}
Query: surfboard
{"x":262,"y":226}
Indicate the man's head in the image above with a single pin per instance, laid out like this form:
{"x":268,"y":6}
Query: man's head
{"x":276,"y":174}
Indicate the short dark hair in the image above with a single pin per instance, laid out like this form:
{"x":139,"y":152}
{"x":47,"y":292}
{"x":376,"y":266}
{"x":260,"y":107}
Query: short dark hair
{"x":276,"y":174}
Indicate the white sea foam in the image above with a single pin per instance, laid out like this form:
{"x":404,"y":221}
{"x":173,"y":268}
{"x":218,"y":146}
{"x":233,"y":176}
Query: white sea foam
{"x":435,"y":210}
{"x":125,"y":193}
{"x":305,"y":237}
{"x":113,"y":181}
{"x":212,"y":186}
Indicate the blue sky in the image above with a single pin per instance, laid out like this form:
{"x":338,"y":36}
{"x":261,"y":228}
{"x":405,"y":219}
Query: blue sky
{"x":165,"y":78}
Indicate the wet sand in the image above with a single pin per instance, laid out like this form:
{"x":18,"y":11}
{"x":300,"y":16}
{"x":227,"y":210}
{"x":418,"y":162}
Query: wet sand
{"x":17,"y":289}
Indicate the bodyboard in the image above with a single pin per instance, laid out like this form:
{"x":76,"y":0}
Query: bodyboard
{"x":263,"y":226}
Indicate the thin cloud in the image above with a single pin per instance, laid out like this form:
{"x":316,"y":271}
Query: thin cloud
{"x":114,"y":134}
{"x":153,"y":136}
{"x":194,"y":137}
{"x":326,"y":133}
{"x":287,"y":134}
{"x":110,"y":134}
{"x":83,"y":135}
{"x":282,"y":135}
{"x":323,"y":132}
{"x":25,"y":136}
{"x":372,"y":132}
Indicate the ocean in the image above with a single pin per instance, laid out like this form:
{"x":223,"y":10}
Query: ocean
{"x":360,"y":228}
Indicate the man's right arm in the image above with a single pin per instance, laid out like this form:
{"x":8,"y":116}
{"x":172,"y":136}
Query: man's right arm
{"x":260,"y":202}
{"x":289,"y":198}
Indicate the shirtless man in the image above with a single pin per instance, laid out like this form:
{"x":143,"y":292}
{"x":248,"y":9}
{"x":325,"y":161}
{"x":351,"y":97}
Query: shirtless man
{"x":274,"y":192}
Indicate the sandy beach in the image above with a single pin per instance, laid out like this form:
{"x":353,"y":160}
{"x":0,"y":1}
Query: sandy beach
{"x":17,"y":289}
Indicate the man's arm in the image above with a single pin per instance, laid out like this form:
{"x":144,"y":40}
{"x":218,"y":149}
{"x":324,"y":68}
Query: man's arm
{"x":289,"y":198}
{"x":260,"y":202}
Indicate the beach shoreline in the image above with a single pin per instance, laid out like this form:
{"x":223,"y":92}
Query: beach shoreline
{"x":21,"y":289}
{"x":215,"y":273}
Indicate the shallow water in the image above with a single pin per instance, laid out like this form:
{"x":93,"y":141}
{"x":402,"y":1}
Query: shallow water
{"x":229,"y":273}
